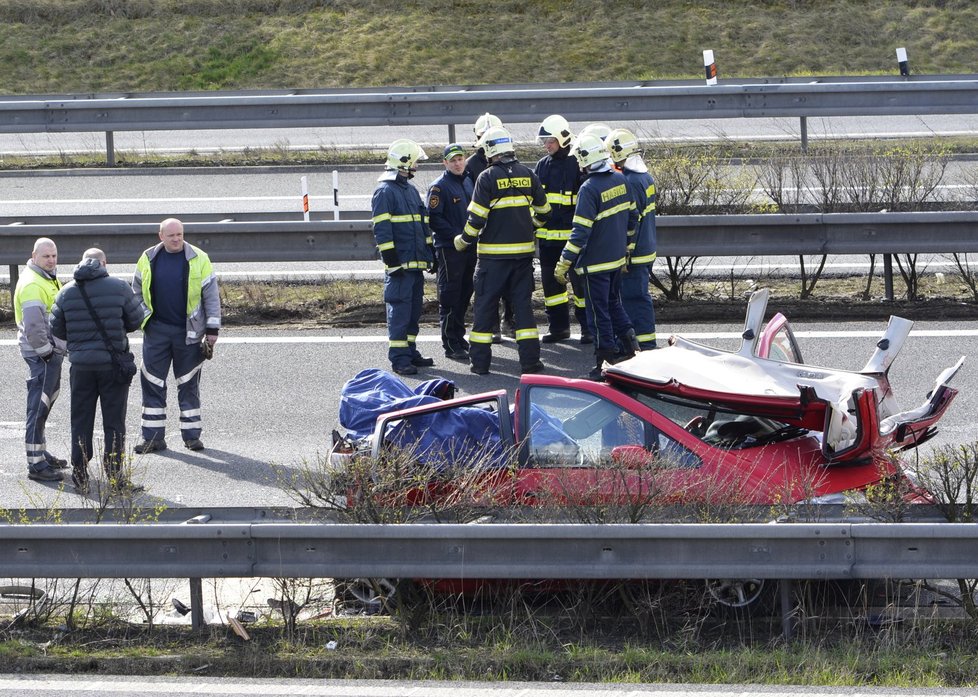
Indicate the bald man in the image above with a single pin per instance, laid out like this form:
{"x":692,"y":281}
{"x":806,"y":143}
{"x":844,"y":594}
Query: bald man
{"x":177,"y":285}
{"x":36,"y":290}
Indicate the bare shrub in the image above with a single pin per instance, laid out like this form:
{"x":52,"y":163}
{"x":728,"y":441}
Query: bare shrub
{"x":967,"y":272}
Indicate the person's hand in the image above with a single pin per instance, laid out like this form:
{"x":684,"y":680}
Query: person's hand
{"x":561,"y":269}
{"x":460,"y":244}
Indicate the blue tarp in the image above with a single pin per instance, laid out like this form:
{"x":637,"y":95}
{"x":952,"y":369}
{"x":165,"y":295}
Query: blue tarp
{"x":464,"y":435}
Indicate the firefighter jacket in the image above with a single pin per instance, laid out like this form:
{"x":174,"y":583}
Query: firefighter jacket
{"x":508,"y":197}
{"x":448,"y":203}
{"x":642,"y":188}
{"x":561,"y":178}
{"x":400,"y":224}
{"x":475,"y":164}
{"x":33,"y":297}
{"x":200,"y":287}
{"x":604,"y":222}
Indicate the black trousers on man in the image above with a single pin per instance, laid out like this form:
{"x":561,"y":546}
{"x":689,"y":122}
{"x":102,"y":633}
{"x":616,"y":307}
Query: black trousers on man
{"x":88,"y":389}
{"x":455,"y":273}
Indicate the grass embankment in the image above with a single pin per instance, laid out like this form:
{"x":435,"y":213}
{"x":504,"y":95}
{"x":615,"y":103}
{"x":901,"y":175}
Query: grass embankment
{"x":154,"y":45}
{"x":377,"y":649}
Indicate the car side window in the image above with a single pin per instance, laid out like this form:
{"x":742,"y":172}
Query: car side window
{"x":572,"y":428}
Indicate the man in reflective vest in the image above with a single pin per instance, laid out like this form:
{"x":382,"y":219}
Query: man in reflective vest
{"x":36,"y":290}
{"x":179,"y":289}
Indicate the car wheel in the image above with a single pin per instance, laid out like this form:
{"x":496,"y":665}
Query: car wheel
{"x":374,"y":595}
{"x":742,"y":595}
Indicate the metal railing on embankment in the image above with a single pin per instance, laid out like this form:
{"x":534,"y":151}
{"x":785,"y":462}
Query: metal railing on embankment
{"x":786,"y":552}
{"x":230,"y":239}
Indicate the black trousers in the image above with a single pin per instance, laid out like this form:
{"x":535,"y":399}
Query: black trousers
{"x":508,"y":279}
{"x":455,"y":272}
{"x":91,"y":388}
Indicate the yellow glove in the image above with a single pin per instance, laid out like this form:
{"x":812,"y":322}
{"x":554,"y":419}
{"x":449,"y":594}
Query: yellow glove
{"x":561,"y":269}
{"x":460,"y":244}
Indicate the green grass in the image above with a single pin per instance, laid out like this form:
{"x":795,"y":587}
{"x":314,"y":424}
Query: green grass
{"x":147,"y":45}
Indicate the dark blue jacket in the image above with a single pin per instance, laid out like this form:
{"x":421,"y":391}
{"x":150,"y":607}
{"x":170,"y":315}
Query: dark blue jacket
{"x":448,"y":203}
{"x":642,"y":187}
{"x":561,"y":177}
{"x":604,"y":222}
{"x":400,"y":224}
{"x":116,"y":305}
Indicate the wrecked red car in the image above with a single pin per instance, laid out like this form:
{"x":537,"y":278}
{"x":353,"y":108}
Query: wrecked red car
{"x":688,"y":422}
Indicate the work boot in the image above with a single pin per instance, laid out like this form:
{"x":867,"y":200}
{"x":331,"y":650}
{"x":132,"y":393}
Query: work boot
{"x":586,"y":337}
{"x":553,"y":337}
{"x":537,"y":367}
{"x":150,"y":446}
{"x":599,"y":360}
{"x":629,"y":345}
{"x":420,"y":361}
{"x":79,"y":479}
{"x":405,"y":369}
{"x":479,"y":370}
{"x":45,"y":474}
{"x":193,"y":444}
{"x":55,"y":462}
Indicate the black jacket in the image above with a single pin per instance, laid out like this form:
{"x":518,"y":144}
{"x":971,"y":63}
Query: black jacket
{"x":120,"y":310}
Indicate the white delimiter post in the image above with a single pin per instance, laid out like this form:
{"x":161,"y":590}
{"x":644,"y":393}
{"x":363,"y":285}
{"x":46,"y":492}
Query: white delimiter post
{"x":336,"y":195}
{"x":902,"y":61}
{"x":305,"y":199}
{"x":710,"y":65}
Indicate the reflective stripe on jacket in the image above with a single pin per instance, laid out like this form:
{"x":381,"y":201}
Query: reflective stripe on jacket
{"x":561,"y":178}
{"x":400,"y":223}
{"x":642,"y":188}
{"x":603,"y":222}
{"x":203,"y":296}
{"x":508,"y":195}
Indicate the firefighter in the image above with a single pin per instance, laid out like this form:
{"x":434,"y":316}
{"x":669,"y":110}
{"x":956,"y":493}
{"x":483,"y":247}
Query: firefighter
{"x":561,"y":178}
{"x":474,"y":166}
{"x":448,"y":202}
{"x":508,"y":204}
{"x":635,"y":296}
{"x":604,"y":221}
{"x":404,"y":241}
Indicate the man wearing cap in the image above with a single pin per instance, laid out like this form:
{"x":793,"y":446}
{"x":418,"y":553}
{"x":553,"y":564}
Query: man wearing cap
{"x":448,"y":202}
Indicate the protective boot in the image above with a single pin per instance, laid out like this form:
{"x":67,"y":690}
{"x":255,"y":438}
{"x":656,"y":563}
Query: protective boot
{"x":629,"y":345}
{"x":600,"y":357}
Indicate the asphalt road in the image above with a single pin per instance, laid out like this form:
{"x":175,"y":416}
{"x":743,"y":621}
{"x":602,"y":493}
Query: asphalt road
{"x":270,"y":400}
{"x":97,"y":686}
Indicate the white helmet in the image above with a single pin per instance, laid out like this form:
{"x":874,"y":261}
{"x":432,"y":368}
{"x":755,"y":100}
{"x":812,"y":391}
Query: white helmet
{"x":599,"y":129}
{"x":589,"y":149}
{"x":483,"y":124}
{"x":555,"y":126}
{"x":403,"y":154}
{"x":621,"y":143}
{"x":497,"y":141}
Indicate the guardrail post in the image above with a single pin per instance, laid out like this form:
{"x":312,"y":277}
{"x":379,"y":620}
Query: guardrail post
{"x":13,"y":282}
{"x":788,"y":618}
{"x":451,"y":133}
{"x":110,"y":148}
{"x":196,"y":603}
{"x":888,"y":276}
{"x":804,"y":133}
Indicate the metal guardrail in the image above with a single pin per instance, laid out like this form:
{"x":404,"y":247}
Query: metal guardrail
{"x":696,"y":235}
{"x":450,"y":105}
{"x":506,"y":551}
{"x":513,"y":103}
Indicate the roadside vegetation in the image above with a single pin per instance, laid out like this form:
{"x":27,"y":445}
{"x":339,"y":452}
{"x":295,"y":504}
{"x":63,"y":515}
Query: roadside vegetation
{"x":61,"y":46}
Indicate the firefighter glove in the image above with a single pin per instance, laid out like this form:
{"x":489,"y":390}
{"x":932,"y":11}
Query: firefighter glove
{"x":460,"y":244}
{"x":561,"y":269}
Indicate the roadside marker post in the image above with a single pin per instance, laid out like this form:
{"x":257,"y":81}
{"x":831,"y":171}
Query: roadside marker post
{"x":336,"y":195}
{"x":903,"y":62}
{"x":710,"y":66}
{"x":305,"y":199}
